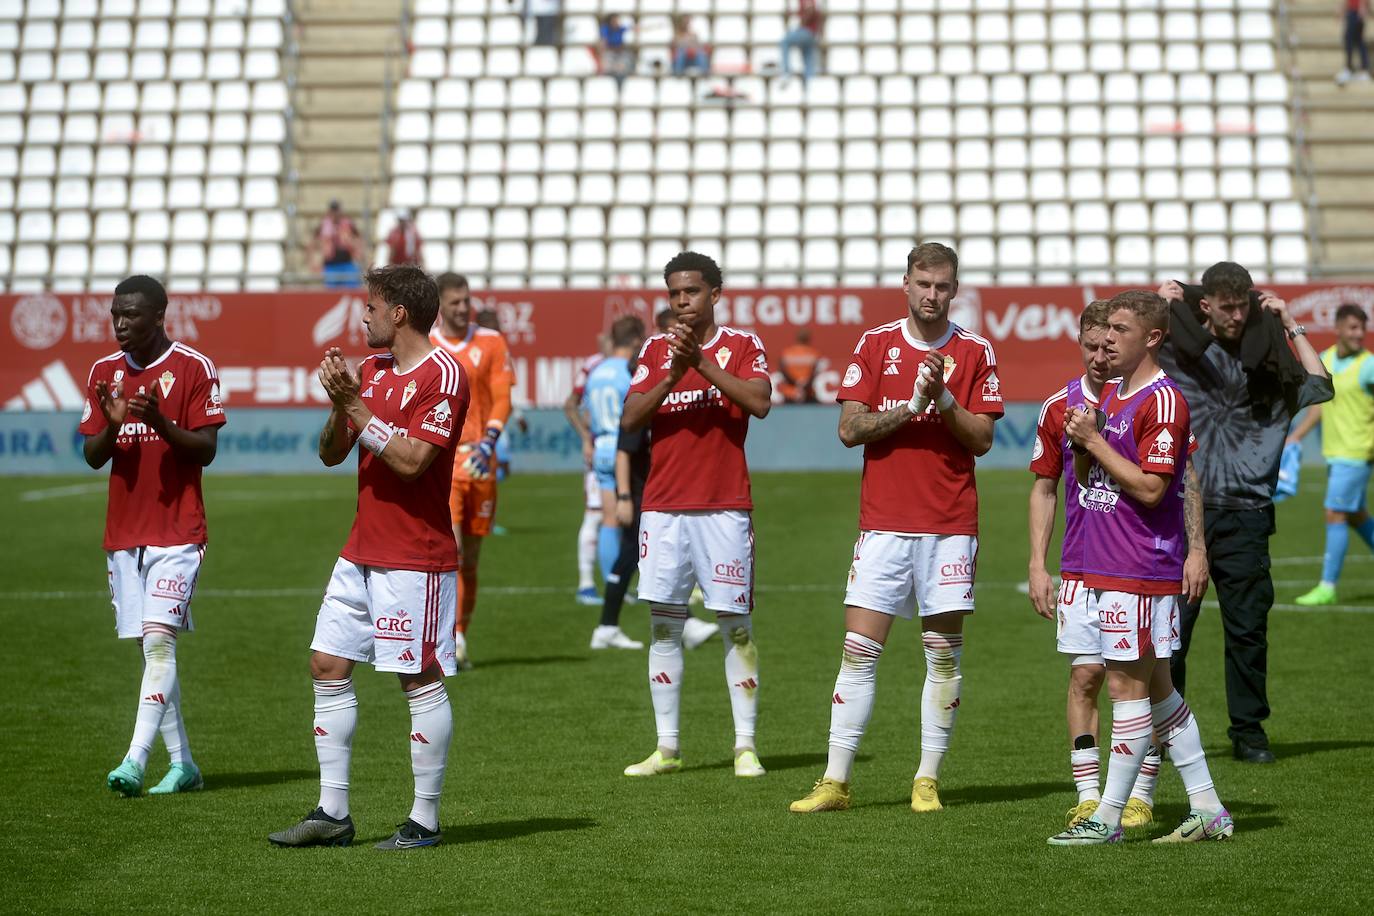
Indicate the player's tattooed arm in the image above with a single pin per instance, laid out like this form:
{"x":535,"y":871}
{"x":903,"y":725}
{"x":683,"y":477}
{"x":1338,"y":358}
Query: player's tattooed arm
{"x":336,"y":440}
{"x":859,"y":425}
{"x":1195,"y":568}
{"x":1044,"y":498}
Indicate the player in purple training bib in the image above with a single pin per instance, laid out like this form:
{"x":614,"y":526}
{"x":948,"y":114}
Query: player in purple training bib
{"x":1134,"y":548}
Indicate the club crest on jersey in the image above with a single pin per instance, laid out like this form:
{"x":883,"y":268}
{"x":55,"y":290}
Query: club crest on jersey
{"x":949,"y":367}
{"x":641,"y":373}
{"x":476,"y":357}
{"x":723,"y":356}
{"x":439,"y":420}
{"x":852,"y":375}
{"x":408,"y":392}
{"x":166,"y":381}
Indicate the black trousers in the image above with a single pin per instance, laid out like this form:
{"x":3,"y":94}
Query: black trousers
{"x":623,"y":572}
{"x":1238,"y":552}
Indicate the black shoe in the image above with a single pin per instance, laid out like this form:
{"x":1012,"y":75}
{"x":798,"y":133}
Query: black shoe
{"x":1251,"y":753}
{"x":316,"y":829}
{"x":411,"y":835}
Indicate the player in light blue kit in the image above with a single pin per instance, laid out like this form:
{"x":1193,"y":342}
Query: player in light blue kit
{"x":603,"y":399}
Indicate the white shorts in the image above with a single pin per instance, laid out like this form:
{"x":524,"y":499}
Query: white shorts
{"x":898,"y":573}
{"x":714,"y":550}
{"x":153,"y":585}
{"x":398,"y":619}
{"x":1128,"y":623}
{"x":1077,"y":632}
{"x":592,"y":491}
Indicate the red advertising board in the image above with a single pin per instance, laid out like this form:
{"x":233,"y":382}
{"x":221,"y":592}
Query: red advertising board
{"x":267,"y":345}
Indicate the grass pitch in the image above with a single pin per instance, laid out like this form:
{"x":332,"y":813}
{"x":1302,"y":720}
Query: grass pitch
{"x":536,"y":815}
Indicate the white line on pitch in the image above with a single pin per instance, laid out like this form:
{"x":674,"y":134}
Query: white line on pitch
{"x":74,"y":489}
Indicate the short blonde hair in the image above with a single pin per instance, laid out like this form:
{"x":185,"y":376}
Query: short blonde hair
{"x":932,"y":254}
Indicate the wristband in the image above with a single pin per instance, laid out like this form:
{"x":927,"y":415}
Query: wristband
{"x":376,"y":435}
{"x":945,"y":401}
{"x":624,"y":496}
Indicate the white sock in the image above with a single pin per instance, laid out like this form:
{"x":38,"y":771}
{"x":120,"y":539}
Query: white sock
{"x":1179,"y":732}
{"x":741,"y":674}
{"x":939,"y":698}
{"x":665,"y":669}
{"x":1130,"y":740}
{"x":173,"y":728}
{"x":336,"y":716}
{"x":431,"y":728}
{"x":159,"y":682}
{"x":852,"y":704}
{"x":586,"y":548}
{"x":1144,"y":788}
{"x":1086,"y":764}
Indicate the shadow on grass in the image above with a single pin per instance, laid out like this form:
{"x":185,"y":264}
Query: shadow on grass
{"x":1286,"y":749}
{"x":777,"y":762}
{"x":974,"y":795}
{"x":510,"y":830}
{"x":253,"y":778}
{"x":516,"y":661}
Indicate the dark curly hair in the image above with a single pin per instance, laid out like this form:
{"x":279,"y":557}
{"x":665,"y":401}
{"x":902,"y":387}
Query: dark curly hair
{"x":409,"y":287}
{"x":695,"y":260}
{"x":1227,"y":278}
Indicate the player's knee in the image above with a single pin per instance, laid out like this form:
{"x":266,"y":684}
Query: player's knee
{"x":159,"y":645}
{"x":328,"y":667}
{"x":1085,"y":681}
{"x":1337,"y":518}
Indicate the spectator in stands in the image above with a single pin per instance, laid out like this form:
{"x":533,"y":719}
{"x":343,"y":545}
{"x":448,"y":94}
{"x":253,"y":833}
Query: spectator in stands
{"x":689,"y":51}
{"x":805,"y":37}
{"x":1356,"y":11}
{"x":337,"y":249}
{"x":403,"y":244}
{"x":616,"y":57}
{"x":548,"y":21}
{"x":799,"y":364}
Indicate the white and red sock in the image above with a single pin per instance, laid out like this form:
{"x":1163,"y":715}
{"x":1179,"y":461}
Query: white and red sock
{"x":1131,"y":725}
{"x":1086,"y":765}
{"x":158,"y":686}
{"x":173,"y":728}
{"x":939,"y":698}
{"x":741,"y":674}
{"x":666,"y":659}
{"x":852,"y":703}
{"x":431,"y":728}
{"x":587,"y":537}
{"x":1144,"y":788}
{"x":336,"y":716}
{"x":1179,"y":732}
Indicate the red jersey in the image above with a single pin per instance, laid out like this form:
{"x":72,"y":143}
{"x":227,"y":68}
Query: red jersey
{"x":697,"y":447}
{"x":405,"y":524}
{"x":155,"y":498}
{"x":919,"y":480}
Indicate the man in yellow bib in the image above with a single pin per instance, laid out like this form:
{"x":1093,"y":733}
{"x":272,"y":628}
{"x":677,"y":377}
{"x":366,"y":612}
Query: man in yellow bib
{"x":1347,"y":444}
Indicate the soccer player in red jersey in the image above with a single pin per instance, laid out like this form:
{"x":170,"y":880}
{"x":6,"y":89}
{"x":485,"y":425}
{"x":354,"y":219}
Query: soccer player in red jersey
{"x":1130,"y":456}
{"x":1077,"y":632}
{"x":391,"y":596}
{"x":696,"y":388}
{"x":921,"y":395}
{"x":153,"y":409}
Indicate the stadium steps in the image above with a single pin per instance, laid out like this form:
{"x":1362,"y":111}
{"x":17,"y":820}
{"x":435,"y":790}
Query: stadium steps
{"x":1336,"y":138}
{"x":341,"y":85}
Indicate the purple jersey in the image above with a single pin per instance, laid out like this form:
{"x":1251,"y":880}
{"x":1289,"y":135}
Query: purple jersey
{"x":1053,"y":457}
{"x":1127,"y":546}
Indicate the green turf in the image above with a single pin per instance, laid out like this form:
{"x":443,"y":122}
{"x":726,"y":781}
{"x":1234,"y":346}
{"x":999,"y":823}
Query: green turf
{"x":536,"y":815}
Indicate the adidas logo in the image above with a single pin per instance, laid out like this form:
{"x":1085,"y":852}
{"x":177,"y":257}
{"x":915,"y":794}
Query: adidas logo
{"x":155,"y":698}
{"x":1123,"y":644}
{"x":321,"y":733}
{"x":406,"y":656}
{"x":419,"y":738}
{"x":892,"y":370}
{"x":1122,"y":748}
{"x":54,"y":389}
{"x":748,"y":684}
{"x":661,"y":678}
{"x":837,"y":701}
